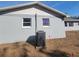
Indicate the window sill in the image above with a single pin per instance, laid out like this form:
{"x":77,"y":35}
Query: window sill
{"x":26,"y":27}
{"x":45,"y":26}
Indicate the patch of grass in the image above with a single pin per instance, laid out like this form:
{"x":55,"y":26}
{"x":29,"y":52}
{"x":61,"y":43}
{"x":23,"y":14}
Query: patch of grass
{"x":63,"y":47}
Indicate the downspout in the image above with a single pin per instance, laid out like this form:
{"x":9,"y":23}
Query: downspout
{"x":35,"y":30}
{"x":35,"y":23}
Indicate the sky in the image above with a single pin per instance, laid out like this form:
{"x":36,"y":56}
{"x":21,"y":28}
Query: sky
{"x":68,"y":7}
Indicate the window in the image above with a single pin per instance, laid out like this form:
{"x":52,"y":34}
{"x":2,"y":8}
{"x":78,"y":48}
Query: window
{"x":26,"y":22}
{"x":66,"y":24}
{"x":46,"y":21}
{"x":78,"y":23}
{"x":70,"y":23}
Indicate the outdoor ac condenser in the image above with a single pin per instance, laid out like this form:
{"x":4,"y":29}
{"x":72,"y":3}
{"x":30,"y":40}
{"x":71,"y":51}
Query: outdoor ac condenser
{"x":40,"y":39}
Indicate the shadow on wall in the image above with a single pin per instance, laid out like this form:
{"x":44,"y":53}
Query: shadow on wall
{"x":38,"y":40}
{"x":31,"y":40}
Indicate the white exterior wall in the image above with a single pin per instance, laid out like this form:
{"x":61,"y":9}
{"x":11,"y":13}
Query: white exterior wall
{"x":11,"y":29}
{"x":72,"y":28}
{"x":56,"y":28}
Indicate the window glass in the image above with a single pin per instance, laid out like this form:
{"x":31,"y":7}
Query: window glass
{"x":26,"y":21}
{"x":46,"y":21}
{"x":26,"y":24}
{"x":71,"y":24}
{"x":78,"y":23}
{"x":65,"y":23}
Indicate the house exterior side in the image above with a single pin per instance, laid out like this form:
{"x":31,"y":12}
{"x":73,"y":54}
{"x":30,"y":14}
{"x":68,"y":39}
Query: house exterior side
{"x":20,"y":25}
{"x":71,"y":24}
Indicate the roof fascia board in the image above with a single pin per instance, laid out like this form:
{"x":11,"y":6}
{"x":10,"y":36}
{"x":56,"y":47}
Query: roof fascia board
{"x":33,"y":3}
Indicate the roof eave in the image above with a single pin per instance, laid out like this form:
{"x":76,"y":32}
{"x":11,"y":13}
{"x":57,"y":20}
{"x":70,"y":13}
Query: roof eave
{"x":33,"y":3}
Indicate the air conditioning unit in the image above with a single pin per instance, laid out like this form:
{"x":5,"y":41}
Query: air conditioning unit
{"x":40,"y":39}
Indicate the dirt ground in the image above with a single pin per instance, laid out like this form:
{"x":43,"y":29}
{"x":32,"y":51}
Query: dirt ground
{"x":65,"y":47}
